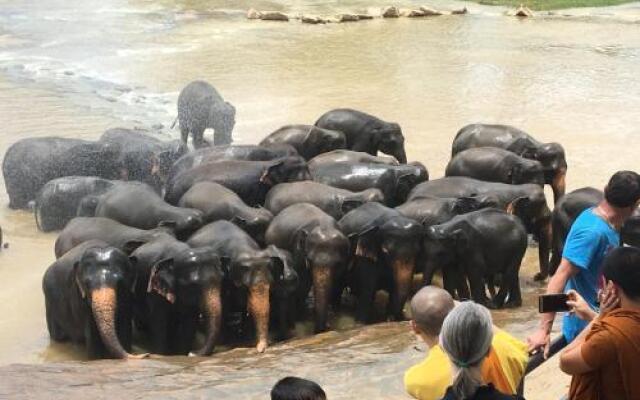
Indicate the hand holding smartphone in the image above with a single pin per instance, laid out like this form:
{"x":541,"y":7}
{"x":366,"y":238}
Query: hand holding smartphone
{"x":553,"y":303}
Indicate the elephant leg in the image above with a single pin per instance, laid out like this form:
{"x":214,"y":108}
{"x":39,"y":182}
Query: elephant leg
{"x":512,"y":281}
{"x":366,"y":277}
{"x":159,"y":327}
{"x":124,"y":324}
{"x":543,"y":234}
{"x":186,"y":331}
{"x":475,"y":270}
{"x":559,"y":185}
{"x":282,"y":313}
{"x":184,"y":133}
{"x":55,"y":332}
{"x":93,"y":341}
{"x":197,"y":134}
{"x":221,"y":138}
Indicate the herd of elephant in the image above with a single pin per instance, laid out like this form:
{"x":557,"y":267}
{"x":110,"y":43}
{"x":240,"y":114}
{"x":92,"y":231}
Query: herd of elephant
{"x":235,"y":239}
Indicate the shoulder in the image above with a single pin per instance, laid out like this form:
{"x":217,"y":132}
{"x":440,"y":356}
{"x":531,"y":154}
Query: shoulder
{"x":430,"y":378}
{"x":505,"y":343}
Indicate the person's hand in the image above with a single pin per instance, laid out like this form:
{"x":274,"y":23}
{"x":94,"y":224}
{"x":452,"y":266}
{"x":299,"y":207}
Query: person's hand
{"x":609,"y":299}
{"x":539,"y":340}
{"x":579,"y":306}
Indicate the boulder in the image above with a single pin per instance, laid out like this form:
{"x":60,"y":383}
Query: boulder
{"x":459,"y":11}
{"x":348,"y":18}
{"x":253,"y":14}
{"x":428,"y":11}
{"x":365,"y":16}
{"x":274,"y":16}
{"x":312,"y":19}
{"x":523,"y":11}
{"x":390,"y":12}
{"x":416,"y":14}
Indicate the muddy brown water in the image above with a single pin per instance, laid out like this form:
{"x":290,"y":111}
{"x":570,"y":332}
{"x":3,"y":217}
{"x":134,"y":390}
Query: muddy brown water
{"x":75,"y":68}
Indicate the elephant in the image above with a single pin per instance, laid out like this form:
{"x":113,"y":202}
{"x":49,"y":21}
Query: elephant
{"x":242,"y":152}
{"x":88,"y":298}
{"x":433,"y":210}
{"x":320,"y":253}
{"x":308,"y":140}
{"x":175,"y":285}
{"x":258,"y":279}
{"x":137,"y":205}
{"x":478,"y":245}
{"x":30,"y":163}
{"x":384,"y":246}
{"x":143,"y":157}
{"x":333,"y":201}
{"x":630,"y":232}
{"x":58,"y":200}
{"x":350,"y":156}
{"x":365,"y":132}
{"x":526,"y":201}
{"x":550,"y":155}
{"x":493,"y":164}
{"x":219,"y":203}
{"x":200,"y":106}
{"x":126,"y":238}
{"x":251,"y":180}
{"x":394,"y":181}
{"x":565,"y":212}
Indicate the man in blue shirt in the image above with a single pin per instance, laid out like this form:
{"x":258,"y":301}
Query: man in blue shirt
{"x":592,"y":236}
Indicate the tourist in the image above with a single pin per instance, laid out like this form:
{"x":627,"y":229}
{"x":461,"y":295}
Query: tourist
{"x":504,"y":366}
{"x":466,"y":338}
{"x":592,"y":236}
{"x":605,"y":358}
{"x":293,"y":388}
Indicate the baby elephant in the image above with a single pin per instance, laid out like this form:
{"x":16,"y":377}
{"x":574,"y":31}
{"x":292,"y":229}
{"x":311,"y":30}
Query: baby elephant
{"x":200,"y":106}
{"x":88,"y":299}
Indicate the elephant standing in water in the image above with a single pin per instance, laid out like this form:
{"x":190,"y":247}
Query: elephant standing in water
{"x":258,"y":279}
{"x":200,"y":106}
{"x":88,"y":298}
{"x":550,"y":155}
{"x":320,"y":253}
{"x":365,"y":132}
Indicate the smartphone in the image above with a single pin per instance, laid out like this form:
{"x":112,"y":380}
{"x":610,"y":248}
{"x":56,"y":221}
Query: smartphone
{"x":553,"y":303}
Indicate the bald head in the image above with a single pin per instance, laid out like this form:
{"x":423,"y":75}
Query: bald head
{"x":429,"y":308}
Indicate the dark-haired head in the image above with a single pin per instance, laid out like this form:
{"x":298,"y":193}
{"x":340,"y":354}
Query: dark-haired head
{"x":623,"y":189}
{"x":622,"y":267}
{"x":292,"y":388}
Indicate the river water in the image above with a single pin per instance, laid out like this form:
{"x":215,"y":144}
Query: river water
{"x":77,"y":67}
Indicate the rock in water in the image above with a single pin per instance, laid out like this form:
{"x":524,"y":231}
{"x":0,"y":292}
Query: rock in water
{"x":312,"y":19}
{"x":428,"y":11}
{"x":365,"y":16}
{"x":253,"y":14}
{"x":415,"y":14}
{"x":390,"y":12}
{"x":460,"y":11}
{"x":348,"y":18}
{"x":274,"y":16}
{"x":523,"y":11}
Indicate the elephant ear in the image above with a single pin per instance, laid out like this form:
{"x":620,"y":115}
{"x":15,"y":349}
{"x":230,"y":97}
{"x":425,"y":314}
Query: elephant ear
{"x":267,"y":175}
{"x":462,"y":241}
{"x":367,"y":243}
{"x":132,"y":245}
{"x":299,"y":248}
{"x":523,"y":147}
{"x":465,"y":205}
{"x":516,"y":205}
{"x":76,"y":270}
{"x":162,"y":280}
{"x":347,"y":205}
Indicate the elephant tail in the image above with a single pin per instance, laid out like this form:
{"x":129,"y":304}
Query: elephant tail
{"x":174,"y":122}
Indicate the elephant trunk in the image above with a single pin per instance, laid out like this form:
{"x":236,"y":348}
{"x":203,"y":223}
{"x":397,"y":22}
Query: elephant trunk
{"x":322,"y":286}
{"x":544,"y":246}
{"x":403,"y":278}
{"x":259,"y":310}
{"x":213,"y":310}
{"x":103,"y":306}
{"x":559,"y":184}
{"x":401,"y":156}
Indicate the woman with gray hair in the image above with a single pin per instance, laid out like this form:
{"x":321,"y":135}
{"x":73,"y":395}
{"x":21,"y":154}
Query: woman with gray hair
{"x":466,"y":338}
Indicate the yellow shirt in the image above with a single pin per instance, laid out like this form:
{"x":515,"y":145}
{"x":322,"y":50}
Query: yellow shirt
{"x":504,"y":367}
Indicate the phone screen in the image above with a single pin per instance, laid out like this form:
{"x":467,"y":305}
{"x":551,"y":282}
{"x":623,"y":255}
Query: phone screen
{"x":553,"y":303}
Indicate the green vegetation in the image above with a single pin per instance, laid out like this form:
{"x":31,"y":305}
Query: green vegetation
{"x":553,"y":4}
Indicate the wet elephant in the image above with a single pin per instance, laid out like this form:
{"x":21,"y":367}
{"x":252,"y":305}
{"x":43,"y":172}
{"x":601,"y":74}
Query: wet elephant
{"x":630,"y":232}
{"x":495,"y":165}
{"x":200,"y":107}
{"x":175,"y":285}
{"x":394,"y":181}
{"x":251,"y":180}
{"x":384,"y":247}
{"x":308,"y":140}
{"x":477,"y":247}
{"x":433,"y":210}
{"x":320,"y":253}
{"x":219,"y":203}
{"x":350,"y":156}
{"x":565,"y":212}
{"x":365,"y":132}
{"x":333,"y":201}
{"x":82,"y":229}
{"x":526,"y":201}
{"x":258,"y":279}
{"x":138,"y":206}
{"x":30,"y":163}
{"x":58,"y":201}
{"x":242,"y":152}
{"x":144,"y":158}
{"x":550,"y":155}
{"x":88,"y":298}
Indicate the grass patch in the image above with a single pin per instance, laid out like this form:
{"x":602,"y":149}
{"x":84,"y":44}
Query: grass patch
{"x":553,"y":4}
